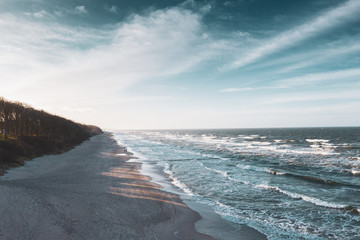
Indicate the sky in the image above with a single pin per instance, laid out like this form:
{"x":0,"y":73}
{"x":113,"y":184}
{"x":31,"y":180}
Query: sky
{"x":171,"y":64}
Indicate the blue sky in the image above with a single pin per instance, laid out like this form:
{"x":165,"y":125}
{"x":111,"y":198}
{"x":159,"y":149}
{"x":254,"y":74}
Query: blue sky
{"x":144,"y":64}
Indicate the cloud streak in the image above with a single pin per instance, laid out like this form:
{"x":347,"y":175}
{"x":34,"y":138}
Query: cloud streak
{"x":311,"y":97}
{"x":316,"y":78}
{"x":225,"y":90}
{"x":330,"y":19}
{"x":345,"y":77}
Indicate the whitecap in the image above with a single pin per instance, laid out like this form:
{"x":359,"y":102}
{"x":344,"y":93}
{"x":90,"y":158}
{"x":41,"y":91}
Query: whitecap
{"x":225,"y":174}
{"x":317,"y":140}
{"x":176,"y":181}
{"x":355,"y":172}
{"x":305,"y":198}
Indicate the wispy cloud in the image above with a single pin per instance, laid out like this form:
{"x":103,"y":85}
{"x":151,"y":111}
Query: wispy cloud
{"x":67,"y":63}
{"x":330,"y":19}
{"x":235,"y":90}
{"x":39,"y":14}
{"x":81,"y":9}
{"x":112,"y":9}
{"x":311,"y":96}
{"x":313,"y":57}
{"x":342,"y":78}
{"x":316,"y":78}
{"x":320,"y":56}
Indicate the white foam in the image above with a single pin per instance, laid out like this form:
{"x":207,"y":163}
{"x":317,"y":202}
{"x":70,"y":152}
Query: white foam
{"x":303,"y":151}
{"x":355,"y":172}
{"x":317,"y":140}
{"x":261,"y":143}
{"x":218,"y":171}
{"x":277,"y":147}
{"x":122,"y":154}
{"x":260,"y":169}
{"x":250,"y":137}
{"x":225,"y":174}
{"x":233,"y":145}
{"x":305,"y":198}
{"x":277,"y":172}
{"x":254,"y":168}
{"x":176,"y":181}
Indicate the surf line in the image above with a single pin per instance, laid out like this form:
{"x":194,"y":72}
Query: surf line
{"x":188,"y":159}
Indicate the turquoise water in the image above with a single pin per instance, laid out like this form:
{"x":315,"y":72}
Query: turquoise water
{"x":301,"y":183}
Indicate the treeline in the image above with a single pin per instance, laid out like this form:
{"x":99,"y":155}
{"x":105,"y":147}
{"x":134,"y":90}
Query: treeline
{"x":19,"y":119}
{"x":26,"y":133}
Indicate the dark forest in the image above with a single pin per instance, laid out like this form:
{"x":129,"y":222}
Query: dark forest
{"x":26,"y":133}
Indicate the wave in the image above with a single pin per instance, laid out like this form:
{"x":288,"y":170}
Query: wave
{"x":177,"y":182}
{"x":317,"y":140}
{"x":312,"y":200}
{"x":268,"y":148}
{"x":250,"y":143}
{"x":354,"y":172}
{"x":253,"y":168}
{"x":281,"y":173}
{"x":217,"y":171}
{"x":314,"y":179}
{"x":139,"y":156}
{"x":275,"y":228}
{"x":251,"y":137}
{"x":305,"y":198}
{"x":275,"y":172}
{"x":257,"y":143}
{"x":261,"y":169}
{"x":225,"y":174}
{"x":284,"y":140}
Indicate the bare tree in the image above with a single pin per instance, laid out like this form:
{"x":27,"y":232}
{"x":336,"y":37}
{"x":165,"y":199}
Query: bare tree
{"x":18,"y":120}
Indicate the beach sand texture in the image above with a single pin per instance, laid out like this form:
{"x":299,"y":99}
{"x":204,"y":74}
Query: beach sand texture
{"x":90,"y":192}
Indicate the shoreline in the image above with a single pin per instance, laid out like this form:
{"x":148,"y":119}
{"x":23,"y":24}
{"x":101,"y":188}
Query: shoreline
{"x":90,"y":192}
{"x":210,"y":223}
{"x":142,"y":186}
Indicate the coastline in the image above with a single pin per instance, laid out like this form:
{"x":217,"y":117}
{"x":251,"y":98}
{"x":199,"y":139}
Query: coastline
{"x":90,"y":192}
{"x":210,"y":222}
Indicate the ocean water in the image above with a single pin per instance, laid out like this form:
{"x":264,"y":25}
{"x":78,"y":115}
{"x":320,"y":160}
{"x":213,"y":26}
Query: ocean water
{"x":299,"y":183}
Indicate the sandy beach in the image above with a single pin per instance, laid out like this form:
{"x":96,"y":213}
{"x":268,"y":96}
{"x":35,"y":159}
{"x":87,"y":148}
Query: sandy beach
{"x":91,"y":192}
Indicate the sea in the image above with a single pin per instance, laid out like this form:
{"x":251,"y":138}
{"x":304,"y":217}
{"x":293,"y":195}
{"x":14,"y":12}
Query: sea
{"x":287,"y":183}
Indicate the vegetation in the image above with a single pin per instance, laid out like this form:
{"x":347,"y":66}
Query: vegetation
{"x":26,"y":133}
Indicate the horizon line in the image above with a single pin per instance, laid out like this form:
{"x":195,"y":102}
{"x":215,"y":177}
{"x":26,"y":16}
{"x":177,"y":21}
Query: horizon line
{"x":220,"y":128}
